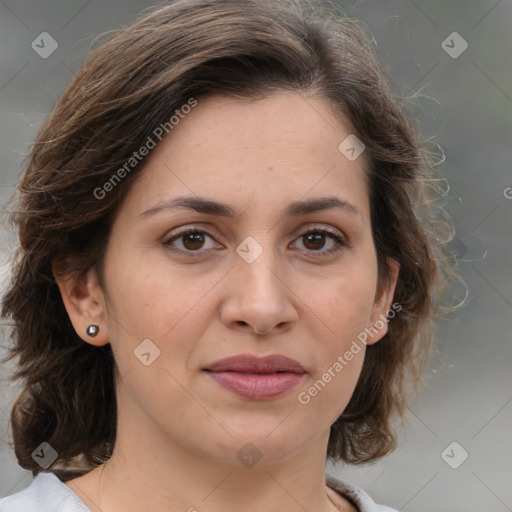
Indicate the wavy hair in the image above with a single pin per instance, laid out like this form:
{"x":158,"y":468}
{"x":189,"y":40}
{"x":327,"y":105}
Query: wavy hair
{"x":133,"y":82}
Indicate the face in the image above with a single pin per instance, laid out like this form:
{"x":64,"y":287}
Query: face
{"x":261,"y":276}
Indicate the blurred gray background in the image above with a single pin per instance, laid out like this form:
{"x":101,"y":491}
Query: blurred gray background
{"x":465,"y":107}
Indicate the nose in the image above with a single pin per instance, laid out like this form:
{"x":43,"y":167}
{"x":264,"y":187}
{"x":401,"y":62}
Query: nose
{"x":259,"y":299}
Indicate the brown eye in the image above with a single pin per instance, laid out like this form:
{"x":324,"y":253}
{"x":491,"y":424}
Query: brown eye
{"x":190,"y":241}
{"x":193,"y":240}
{"x":314,"y":240}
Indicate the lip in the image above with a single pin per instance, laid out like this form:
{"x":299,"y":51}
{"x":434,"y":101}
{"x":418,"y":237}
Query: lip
{"x":257,"y":378}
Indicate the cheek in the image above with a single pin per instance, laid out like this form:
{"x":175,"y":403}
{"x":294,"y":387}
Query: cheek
{"x":154,"y":303}
{"x":341,"y":309}
{"x":344,"y":302}
{"x":328,"y":390}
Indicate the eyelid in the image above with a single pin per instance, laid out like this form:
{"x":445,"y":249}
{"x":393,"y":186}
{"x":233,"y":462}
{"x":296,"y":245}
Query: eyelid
{"x":320,"y":227}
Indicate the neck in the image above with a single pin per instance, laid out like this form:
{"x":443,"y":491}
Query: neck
{"x":137,"y":483}
{"x":150,"y":471}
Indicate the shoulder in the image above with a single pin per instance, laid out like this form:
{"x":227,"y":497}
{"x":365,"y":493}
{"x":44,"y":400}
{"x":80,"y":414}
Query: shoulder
{"x":357,"y":496}
{"x":46,"y":493}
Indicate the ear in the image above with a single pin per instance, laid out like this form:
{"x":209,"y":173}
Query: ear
{"x":84,"y":301}
{"x":383,"y":307}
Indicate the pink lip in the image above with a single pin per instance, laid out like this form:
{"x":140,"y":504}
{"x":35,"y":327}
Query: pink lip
{"x":257,"y":378}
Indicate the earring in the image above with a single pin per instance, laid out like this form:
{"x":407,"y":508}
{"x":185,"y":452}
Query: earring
{"x":92,"y":330}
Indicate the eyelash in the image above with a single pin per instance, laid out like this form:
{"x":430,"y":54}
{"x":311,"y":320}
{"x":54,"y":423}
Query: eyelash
{"x":339,"y":242}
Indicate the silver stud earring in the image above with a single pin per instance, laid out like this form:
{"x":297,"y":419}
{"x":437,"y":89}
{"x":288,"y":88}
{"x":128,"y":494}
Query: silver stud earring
{"x":92,"y":330}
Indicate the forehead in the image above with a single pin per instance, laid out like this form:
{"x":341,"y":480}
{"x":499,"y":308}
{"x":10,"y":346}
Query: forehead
{"x":268,"y":151}
{"x":284,"y":123}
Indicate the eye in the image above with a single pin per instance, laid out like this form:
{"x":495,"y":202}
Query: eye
{"x":315,"y":239}
{"x":191,"y":240}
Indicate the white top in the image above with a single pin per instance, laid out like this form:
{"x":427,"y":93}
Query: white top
{"x":46,"y":493}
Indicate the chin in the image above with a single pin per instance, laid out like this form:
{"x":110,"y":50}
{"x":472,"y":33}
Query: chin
{"x":263,"y":446}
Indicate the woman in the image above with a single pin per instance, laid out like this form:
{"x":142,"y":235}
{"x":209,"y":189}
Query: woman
{"x":227,"y":268}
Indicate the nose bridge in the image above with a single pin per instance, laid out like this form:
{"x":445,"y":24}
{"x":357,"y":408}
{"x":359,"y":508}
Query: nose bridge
{"x":258,"y":266}
{"x":260,"y":296}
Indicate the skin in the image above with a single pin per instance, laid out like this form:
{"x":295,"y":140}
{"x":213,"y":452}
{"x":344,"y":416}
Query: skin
{"x":179,"y":431}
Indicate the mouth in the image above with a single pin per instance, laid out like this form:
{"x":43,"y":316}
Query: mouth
{"x":247,"y":363}
{"x":257,"y":378}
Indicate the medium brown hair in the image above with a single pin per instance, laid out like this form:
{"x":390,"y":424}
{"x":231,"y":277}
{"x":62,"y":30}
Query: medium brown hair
{"x":132,"y":84}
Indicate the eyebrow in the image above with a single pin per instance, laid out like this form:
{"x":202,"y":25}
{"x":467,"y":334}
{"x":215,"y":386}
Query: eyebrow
{"x":211,"y":207}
